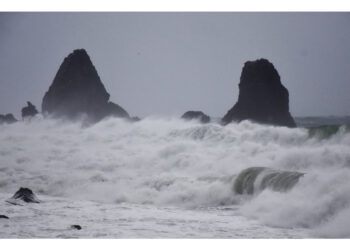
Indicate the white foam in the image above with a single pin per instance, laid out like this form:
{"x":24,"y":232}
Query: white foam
{"x":168,"y":161}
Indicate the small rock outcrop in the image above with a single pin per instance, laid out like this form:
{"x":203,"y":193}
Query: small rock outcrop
{"x":29,"y":111}
{"x":3,"y":216}
{"x":8,"y":118}
{"x":78,"y":90}
{"x":262,"y":97}
{"x":23,"y":195}
{"x":198,"y":115}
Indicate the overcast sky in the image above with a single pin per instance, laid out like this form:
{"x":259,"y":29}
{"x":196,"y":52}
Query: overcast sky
{"x":169,"y":63}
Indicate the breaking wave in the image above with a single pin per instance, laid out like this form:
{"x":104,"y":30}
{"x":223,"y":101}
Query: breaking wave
{"x":168,"y":161}
{"x":255,"y":179}
{"x":327,"y":131}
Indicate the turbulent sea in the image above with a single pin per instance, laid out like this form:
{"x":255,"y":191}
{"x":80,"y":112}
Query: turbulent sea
{"x":169,"y":178}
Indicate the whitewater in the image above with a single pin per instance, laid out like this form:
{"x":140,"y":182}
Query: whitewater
{"x":163,"y":177}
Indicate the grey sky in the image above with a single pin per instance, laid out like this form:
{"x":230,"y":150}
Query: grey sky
{"x":168,"y":63}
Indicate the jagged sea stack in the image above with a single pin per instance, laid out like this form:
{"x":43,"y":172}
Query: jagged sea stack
{"x":262,"y":97}
{"x":77,"y":89}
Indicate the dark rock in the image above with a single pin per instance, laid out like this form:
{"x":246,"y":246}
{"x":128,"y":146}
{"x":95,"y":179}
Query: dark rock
{"x":23,"y":194}
{"x":3,"y":217}
{"x":29,"y":111}
{"x":8,"y":118}
{"x":77,"y":90}
{"x":198,"y":115}
{"x":78,"y":227}
{"x":134,"y":119}
{"x":262,"y":97}
{"x":111,"y":109}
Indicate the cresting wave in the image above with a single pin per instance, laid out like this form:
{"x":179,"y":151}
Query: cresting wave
{"x":256,"y":179}
{"x":327,"y":131}
{"x":168,"y":161}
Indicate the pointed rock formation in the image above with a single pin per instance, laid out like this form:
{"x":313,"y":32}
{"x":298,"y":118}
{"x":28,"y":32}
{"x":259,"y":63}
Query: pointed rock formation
{"x":77,"y":89}
{"x":8,"y":118}
{"x":29,"y":111}
{"x":262,"y":97}
{"x":198,"y":115}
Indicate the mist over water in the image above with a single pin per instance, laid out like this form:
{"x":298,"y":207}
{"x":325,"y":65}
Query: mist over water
{"x":165,"y":161}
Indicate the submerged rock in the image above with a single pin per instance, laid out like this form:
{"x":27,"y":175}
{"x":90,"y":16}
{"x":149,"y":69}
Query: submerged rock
{"x":78,"y":90}
{"x":29,"y":111}
{"x":135,"y":119}
{"x":262,"y":97}
{"x":198,"y":115}
{"x":23,"y":195}
{"x":256,"y":179}
{"x":78,"y":227}
{"x":8,"y":118}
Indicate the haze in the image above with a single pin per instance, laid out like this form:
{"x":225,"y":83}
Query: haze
{"x":169,"y":63}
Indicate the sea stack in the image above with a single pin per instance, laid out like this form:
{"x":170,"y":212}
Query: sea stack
{"x":29,"y":110}
{"x":262,"y":97}
{"x":78,"y":90}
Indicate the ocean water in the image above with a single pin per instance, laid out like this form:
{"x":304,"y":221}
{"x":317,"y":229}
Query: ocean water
{"x":164,"y":177}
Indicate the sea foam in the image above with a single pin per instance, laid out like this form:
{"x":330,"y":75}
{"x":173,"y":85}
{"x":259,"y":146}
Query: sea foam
{"x":168,"y":161}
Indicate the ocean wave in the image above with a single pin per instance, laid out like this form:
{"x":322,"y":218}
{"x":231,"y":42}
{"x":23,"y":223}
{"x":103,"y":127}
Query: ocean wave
{"x":255,"y":179}
{"x":169,"y":161}
{"x":327,"y":131}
